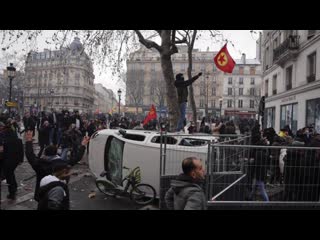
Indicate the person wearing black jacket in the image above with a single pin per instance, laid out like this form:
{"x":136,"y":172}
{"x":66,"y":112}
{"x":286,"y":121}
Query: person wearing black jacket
{"x":12,"y":156}
{"x":29,"y":123}
{"x":182,"y":89}
{"x":43,"y":166}
{"x":44,"y":137}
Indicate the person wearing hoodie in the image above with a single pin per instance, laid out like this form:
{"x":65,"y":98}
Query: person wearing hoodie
{"x":186,"y":192}
{"x":182,"y":89}
{"x":43,"y":166}
{"x":54,"y":192}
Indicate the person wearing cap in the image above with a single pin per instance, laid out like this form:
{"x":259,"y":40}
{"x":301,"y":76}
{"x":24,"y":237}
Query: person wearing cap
{"x":54,"y":192}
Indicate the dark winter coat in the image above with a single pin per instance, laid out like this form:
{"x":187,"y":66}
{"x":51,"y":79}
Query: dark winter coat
{"x":44,"y":133}
{"x":182,"y":88}
{"x":12,"y":150}
{"x":185,"y":194}
{"x":29,"y":123}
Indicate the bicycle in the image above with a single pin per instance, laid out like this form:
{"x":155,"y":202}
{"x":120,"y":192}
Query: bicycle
{"x":140,"y":193}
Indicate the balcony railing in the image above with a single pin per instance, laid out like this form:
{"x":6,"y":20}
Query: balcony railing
{"x":291,"y":43}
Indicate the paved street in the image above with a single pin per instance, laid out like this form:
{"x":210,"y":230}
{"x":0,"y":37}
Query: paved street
{"x":80,"y":186}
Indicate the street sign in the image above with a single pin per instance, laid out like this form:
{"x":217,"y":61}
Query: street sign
{"x":11,"y":104}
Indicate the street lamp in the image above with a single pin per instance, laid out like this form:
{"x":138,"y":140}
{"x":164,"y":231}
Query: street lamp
{"x":11,"y":70}
{"x":220,"y":100}
{"x":119,"y":94}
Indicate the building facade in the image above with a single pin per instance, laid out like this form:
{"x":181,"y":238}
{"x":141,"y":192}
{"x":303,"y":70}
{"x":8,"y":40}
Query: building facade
{"x":242,"y":89}
{"x":61,"y":79}
{"x":104,"y":99}
{"x":291,"y":75}
{"x":145,"y":84}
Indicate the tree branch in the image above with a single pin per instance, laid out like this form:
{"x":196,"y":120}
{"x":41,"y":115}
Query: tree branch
{"x":147,"y":43}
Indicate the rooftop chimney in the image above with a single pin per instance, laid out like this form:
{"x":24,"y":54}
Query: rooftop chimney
{"x":243,"y":58}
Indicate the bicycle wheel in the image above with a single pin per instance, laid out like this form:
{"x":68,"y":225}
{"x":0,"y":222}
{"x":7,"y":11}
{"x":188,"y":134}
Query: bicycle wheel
{"x":106,"y":188}
{"x":143,"y":194}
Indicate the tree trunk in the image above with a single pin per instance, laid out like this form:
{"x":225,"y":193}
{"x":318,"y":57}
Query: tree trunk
{"x":172,"y":99}
{"x":191,"y":93}
{"x":167,"y":70}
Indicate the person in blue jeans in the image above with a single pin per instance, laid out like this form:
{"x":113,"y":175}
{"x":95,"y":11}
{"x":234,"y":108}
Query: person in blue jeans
{"x":182,"y":88}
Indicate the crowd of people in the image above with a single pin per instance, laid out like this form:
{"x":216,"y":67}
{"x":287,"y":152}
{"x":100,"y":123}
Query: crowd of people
{"x":296,"y":170}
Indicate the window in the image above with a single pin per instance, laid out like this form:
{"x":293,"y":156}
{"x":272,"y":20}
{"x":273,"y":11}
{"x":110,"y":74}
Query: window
{"x":192,"y":142}
{"x":202,"y":90}
{"x":230,"y":80}
{"x":151,"y":90}
{"x":266,"y":88}
{"x":241,"y":80}
{"x":153,"y":67}
{"x":240,"y":91}
{"x":229,"y":103}
{"x":251,"y":103}
{"x":274,"y":84}
{"x":266,"y":58}
{"x":229,"y":91}
{"x":311,"y":67}
{"x":313,"y":114}
{"x":166,"y":139}
{"x":289,"y":78}
{"x":201,"y":103}
{"x":213,"y":103}
{"x":252,"y":71}
{"x":251,"y":91}
{"x":240,"y":102}
{"x":182,"y":67}
{"x":270,"y":114}
{"x":203,"y":68}
{"x":252,"y":81}
{"x":213,"y":91}
{"x":289,"y":116}
{"x":275,"y":43}
{"x":241,"y":70}
{"x":134,"y":137}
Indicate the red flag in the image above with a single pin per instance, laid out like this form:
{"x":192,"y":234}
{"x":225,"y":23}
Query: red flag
{"x":224,"y":61}
{"x":152,"y":115}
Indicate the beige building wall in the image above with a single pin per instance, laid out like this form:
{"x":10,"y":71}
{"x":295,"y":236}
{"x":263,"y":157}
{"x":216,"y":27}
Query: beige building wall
{"x":60,"y":79}
{"x":146,"y":86}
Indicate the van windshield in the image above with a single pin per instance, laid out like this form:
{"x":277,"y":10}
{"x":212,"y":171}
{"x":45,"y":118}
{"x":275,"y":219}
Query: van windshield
{"x":114,"y":159}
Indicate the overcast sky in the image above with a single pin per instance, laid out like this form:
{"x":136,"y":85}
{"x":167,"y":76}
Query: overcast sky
{"x":243,"y":40}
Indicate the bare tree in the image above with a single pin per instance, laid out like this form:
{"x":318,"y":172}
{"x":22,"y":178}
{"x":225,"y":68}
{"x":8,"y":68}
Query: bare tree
{"x":135,"y":91}
{"x":158,"y":92}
